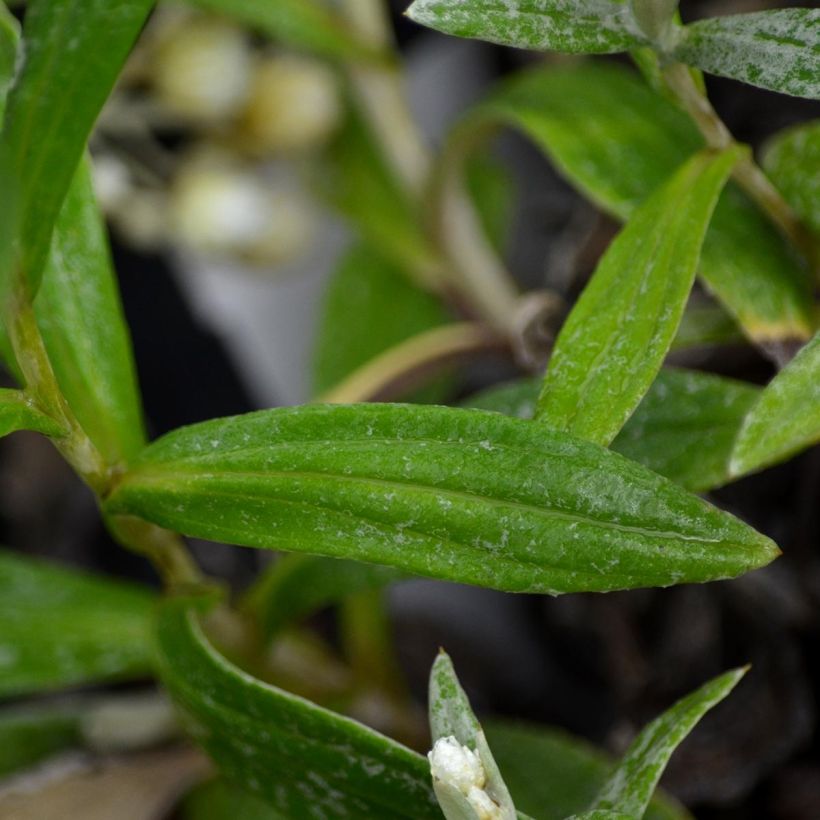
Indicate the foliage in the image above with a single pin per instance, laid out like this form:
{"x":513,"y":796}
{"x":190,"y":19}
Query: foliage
{"x":582,"y":480}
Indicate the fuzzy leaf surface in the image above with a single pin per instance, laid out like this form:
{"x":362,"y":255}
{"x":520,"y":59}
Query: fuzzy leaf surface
{"x":792,"y":161}
{"x":632,"y":784}
{"x":73,"y":55}
{"x":302,"y":759}
{"x":461,"y":495}
{"x":80,"y":317}
{"x":552,"y":775}
{"x":219,"y":800}
{"x":786,"y":417}
{"x":777,"y":49}
{"x":684,"y":428}
{"x":568,"y":26}
{"x":60,"y":627}
{"x":17,"y":412}
{"x":617,"y":141}
{"x":617,"y":335}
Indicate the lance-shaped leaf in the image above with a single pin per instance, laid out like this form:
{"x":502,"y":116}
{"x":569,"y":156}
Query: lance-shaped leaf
{"x":792,"y":161}
{"x":455,"y":494}
{"x":552,"y":774}
{"x":619,"y":332}
{"x":778,"y":49}
{"x":305,"y":24}
{"x":80,"y":317}
{"x":295,"y":586}
{"x":458,"y":738}
{"x":17,"y":412}
{"x":369,"y":306}
{"x":684,"y":428}
{"x":618,"y":141}
{"x":786,"y":417}
{"x":568,"y":26}
{"x":60,"y":628}
{"x":632,"y":784}
{"x":304,"y":760}
{"x":73,"y":54}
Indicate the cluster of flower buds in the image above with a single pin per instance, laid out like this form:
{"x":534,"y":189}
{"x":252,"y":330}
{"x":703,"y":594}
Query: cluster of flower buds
{"x":241,"y":118}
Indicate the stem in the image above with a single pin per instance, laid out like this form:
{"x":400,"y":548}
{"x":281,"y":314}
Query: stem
{"x":41,"y":385}
{"x":747,"y":173}
{"x":165,"y":550}
{"x":400,"y":367}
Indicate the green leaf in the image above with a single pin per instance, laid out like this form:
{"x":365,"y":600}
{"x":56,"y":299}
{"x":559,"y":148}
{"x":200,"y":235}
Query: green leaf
{"x":786,"y":417}
{"x":361,"y":184}
{"x":304,"y":760}
{"x":31,"y":734}
{"x":617,"y":335}
{"x":631,"y":786}
{"x":792,"y":161}
{"x":453,"y":724}
{"x":9,"y":40}
{"x":706,"y":324}
{"x":305,"y":24}
{"x":552,"y":774}
{"x":684,"y":429}
{"x":73,"y":54}
{"x":296,"y":586}
{"x":568,"y":26}
{"x":617,"y":141}
{"x":80,"y":317}
{"x":778,"y":50}
{"x":60,"y":627}
{"x":455,"y":494}
{"x":493,"y":193}
{"x":17,"y":412}
{"x":219,"y":800}
{"x":369,"y":306}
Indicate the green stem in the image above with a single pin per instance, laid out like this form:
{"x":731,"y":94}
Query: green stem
{"x":165,"y":550}
{"x":747,"y":173}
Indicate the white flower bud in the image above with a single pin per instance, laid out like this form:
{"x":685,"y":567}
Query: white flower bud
{"x":202,"y":70}
{"x":294,"y":105}
{"x":222,"y":209}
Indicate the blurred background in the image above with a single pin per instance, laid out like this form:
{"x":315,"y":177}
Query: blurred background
{"x":210,"y":163}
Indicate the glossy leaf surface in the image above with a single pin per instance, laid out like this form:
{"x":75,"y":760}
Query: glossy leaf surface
{"x":296,"y":586}
{"x":460,"y":495}
{"x":684,"y":428}
{"x":305,"y":24}
{"x":17,"y":412}
{"x":631,"y":786}
{"x":60,"y":627}
{"x":617,"y":335}
{"x":73,"y":55}
{"x":617,"y":141}
{"x":80,"y":317}
{"x":369,"y":306}
{"x":786,"y":417}
{"x":778,"y":49}
{"x":302,"y":759}
{"x":552,"y":774}
{"x":568,"y":26}
{"x":792,"y":161}
{"x":9,"y":37}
